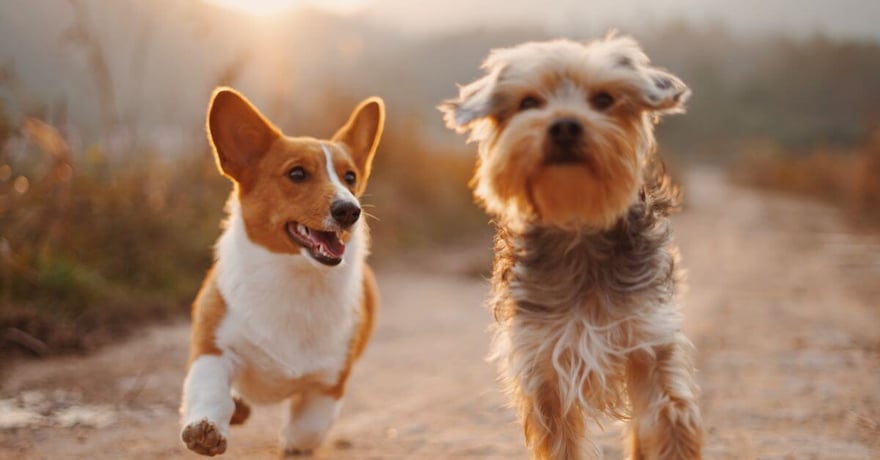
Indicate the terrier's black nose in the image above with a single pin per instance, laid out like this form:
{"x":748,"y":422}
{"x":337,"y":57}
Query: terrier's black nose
{"x":345,"y":213}
{"x":566,"y":131}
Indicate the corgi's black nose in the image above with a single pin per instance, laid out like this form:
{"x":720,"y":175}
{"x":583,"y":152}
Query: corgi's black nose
{"x":566,"y":131}
{"x":345,"y":213}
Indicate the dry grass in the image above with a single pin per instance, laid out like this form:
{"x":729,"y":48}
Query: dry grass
{"x":89,"y":246}
{"x":420,"y":196}
{"x":849,"y":179}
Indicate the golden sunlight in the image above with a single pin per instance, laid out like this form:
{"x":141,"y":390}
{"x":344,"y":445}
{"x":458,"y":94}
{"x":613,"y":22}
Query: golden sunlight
{"x":270,"y":7}
{"x":257,"y":7}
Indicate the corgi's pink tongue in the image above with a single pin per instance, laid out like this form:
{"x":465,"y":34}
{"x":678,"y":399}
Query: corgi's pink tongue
{"x":331,"y":243}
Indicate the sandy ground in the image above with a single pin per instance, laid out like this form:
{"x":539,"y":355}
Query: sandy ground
{"x":782,"y":308}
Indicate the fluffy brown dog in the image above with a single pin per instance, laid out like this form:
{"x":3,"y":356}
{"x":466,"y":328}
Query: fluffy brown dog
{"x":584,"y":286}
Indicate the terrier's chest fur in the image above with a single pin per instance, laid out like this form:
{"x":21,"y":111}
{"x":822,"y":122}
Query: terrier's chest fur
{"x":587,"y":300}
{"x":545,"y":269}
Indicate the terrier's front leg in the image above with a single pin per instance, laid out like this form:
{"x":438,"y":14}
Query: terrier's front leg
{"x":554,"y":429}
{"x":666,"y":421}
{"x":552,"y":433}
{"x":307,"y":421}
{"x":207,"y":405}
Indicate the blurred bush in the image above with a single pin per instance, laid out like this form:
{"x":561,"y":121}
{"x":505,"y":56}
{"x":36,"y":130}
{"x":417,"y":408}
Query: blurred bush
{"x":89,"y":246}
{"x":92,"y":244}
{"x":420,"y":193}
{"x":847,"y":178}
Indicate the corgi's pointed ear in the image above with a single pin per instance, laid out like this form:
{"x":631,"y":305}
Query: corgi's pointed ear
{"x":239,"y":133}
{"x":362,"y":131}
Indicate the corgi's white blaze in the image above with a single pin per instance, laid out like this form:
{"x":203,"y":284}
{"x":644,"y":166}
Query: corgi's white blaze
{"x":342,"y":192}
{"x":286,"y":314}
{"x":206,"y":392}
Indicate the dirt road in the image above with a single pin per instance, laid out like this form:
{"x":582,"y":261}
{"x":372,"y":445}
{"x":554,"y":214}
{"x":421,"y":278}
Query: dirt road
{"x":782,"y":308}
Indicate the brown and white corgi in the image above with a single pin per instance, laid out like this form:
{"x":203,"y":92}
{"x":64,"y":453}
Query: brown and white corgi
{"x":289,"y":304}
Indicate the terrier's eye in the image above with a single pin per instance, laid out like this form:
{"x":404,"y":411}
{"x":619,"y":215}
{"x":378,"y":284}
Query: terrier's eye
{"x":350,"y":178}
{"x":529,"y":102}
{"x":297,"y":174}
{"x":602,"y":101}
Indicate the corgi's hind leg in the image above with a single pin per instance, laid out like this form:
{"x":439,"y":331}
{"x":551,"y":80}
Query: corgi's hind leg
{"x":307,"y":420}
{"x":242,"y":410}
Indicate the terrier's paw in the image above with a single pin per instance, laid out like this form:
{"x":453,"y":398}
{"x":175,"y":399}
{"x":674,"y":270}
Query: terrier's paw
{"x":204,"y":437}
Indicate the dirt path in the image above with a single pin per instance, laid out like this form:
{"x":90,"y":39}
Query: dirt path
{"x":782,"y":308}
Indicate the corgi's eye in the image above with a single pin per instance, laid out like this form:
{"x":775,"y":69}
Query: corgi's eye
{"x":602,"y":101}
{"x":297,"y":174}
{"x":529,"y":102}
{"x":350,"y":178}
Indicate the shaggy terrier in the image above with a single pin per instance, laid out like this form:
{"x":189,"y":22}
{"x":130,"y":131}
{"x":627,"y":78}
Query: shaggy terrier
{"x":586,"y":270}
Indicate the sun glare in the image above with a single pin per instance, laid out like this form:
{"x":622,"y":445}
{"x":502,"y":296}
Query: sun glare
{"x":257,"y":7}
{"x":272,"y":7}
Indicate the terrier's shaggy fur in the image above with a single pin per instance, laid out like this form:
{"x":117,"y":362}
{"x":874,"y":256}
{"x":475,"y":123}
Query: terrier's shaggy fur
{"x":586,"y":271}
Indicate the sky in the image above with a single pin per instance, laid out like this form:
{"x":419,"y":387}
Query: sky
{"x":166,"y":55}
{"x":263,"y":8}
{"x":846,"y":18}
{"x":843,"y":18}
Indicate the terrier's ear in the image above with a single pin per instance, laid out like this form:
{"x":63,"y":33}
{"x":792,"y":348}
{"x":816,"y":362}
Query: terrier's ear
{"x":239,"y":133}
{"x":361,"y":133}
{"x":662,"y":91}
{"x":474,"y":103}
{"x":655,"y":89}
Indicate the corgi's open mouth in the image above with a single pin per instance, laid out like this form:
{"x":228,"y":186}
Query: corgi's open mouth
{"x":325,"y":247}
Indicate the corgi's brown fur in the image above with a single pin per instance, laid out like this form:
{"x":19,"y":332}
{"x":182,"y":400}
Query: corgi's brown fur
{"x":290,"y":303}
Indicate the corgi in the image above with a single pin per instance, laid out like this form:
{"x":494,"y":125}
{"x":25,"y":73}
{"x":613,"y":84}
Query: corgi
{"x":289,"y":304}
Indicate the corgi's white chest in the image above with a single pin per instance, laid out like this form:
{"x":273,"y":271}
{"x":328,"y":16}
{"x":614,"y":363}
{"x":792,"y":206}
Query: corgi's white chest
{"x":286,"y":314}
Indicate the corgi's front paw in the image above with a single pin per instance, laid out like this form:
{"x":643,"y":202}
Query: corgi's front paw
{"x":204,"y":437}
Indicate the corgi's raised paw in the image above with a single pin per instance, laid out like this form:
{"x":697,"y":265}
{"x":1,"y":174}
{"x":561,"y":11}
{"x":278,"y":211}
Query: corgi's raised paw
{"x":203,"y":437}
